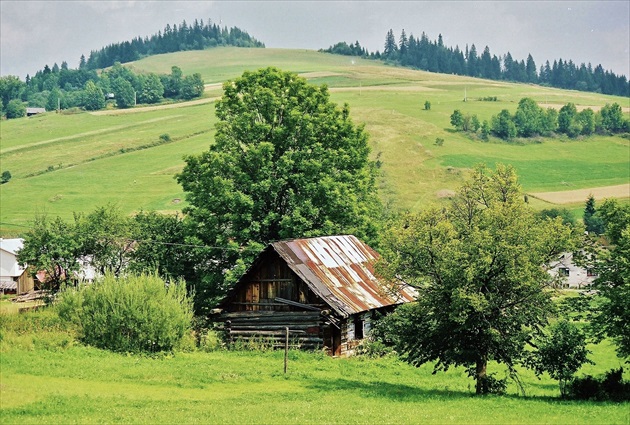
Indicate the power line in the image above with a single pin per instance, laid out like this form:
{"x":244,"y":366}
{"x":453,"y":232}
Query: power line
{"x":223,"y":248}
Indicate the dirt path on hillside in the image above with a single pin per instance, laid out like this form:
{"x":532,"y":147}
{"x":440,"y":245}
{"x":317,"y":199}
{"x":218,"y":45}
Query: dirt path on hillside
{"x":155,"y":107}
{"x":580,"y":195}
{"x":84,"y":134}
{"x":167,"y":106}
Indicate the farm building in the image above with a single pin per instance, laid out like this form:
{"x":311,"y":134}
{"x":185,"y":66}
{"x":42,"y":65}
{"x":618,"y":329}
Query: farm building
{"x":14,"y":279}
{"x":572,"y":275}
{"x":34,"y":111}
{"x":323,"y":289}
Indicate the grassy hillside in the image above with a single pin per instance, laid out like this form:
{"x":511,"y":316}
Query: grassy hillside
{"x":64,"y":163}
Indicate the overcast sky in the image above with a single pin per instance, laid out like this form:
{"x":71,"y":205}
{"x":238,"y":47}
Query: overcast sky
{"x":36,"y":33}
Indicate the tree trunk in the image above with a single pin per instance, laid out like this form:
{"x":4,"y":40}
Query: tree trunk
{"x":480,"y":370}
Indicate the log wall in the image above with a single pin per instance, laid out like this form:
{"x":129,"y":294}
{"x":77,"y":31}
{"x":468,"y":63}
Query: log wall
{"x":305,"y":328}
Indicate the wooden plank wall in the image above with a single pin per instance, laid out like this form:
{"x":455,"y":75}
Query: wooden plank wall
{"x":305,"y":328}
{"x":270,"y":280}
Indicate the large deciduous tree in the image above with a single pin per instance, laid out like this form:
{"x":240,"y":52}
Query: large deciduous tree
{"x":191,"y":87}
{"x":152,"y":89}
{"x":528,"y":118}
{"x":287,"y":162}
{"x":124,"y":92}
{"x":503,"y":125}
{"x":15,"y":109}
{"x":613,"y":283}
{"x":104,"y":236}
{"x":51,"y":246}
{"x":478,"y":265}
{"x":93,"y":98}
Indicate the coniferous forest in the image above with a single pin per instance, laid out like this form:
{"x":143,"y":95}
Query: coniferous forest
{"x":197,"y":36}
{"x":434,"y":56}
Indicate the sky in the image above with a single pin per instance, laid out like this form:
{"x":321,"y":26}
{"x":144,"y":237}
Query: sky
{"x":38,"y":33}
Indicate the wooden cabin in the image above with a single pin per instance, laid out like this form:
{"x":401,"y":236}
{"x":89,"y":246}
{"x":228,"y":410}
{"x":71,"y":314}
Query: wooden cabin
{"x":324,"y":290}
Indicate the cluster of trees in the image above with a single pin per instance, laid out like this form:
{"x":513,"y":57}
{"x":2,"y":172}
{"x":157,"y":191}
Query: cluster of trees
{"x":530,"y":120}
{"x":112,"y":243}
{"x":434,"y":56}
{"x":289,"y":163}
{"x":197,"y":36}
{"x":482,"y":293}
{"x":63,"y":88}
{"x":476,"y":264}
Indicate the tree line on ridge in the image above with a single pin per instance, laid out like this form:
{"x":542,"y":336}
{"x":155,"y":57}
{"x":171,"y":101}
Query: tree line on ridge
{"x":434,"y":56}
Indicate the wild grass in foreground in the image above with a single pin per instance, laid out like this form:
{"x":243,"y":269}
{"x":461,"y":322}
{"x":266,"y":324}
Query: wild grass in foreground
{"x":48,"y":378}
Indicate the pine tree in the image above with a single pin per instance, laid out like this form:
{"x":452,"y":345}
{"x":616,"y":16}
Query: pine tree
{"x":390,"y":48}
{"x":592,"y":221}
{"x":531,"y":69}
{"x":403,"y":44}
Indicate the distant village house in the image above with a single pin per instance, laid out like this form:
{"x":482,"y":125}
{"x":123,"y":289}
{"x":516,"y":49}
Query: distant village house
{"x":572,"y":276}
{"x":14,"y":279}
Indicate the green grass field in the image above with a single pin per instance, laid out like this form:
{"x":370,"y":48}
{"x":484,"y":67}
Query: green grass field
{"x":64,"y":163}
{"x":48,"y":378}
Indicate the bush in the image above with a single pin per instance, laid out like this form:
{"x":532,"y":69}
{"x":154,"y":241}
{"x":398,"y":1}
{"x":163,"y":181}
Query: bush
{"x":137,"y":313}
{"x":6,"y":176}
{"x":561,"y":353}
{"x":15,"y":109}
{"x":608,"y":387}
{"x":373,"y":349}
{"x":492,"y":385}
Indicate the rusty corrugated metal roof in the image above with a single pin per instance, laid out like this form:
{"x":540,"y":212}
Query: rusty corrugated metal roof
{"x":340,"y":269}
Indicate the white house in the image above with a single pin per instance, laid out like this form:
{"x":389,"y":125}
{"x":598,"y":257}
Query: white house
{"x":13,"y":277}
{"x":572,"y":276}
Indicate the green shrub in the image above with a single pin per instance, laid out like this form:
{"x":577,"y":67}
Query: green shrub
{"x":611,"y":386}
{"x":136,"y":313}
{"x":492,"y":385}
{"x":6,"y":176}
{"x":15,"y":109}
{"x":372,"y":349}
{"x":560,"y":352}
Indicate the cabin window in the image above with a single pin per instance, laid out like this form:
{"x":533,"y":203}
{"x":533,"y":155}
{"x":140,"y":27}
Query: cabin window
{"x":563,"y":271}
{"x":349,"y":332}
{"x":358,"y":329}
{"x":367,"y":326}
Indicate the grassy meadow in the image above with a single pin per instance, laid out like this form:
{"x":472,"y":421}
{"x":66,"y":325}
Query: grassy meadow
{"x":48,"y":377}
{"x":62,"y":163}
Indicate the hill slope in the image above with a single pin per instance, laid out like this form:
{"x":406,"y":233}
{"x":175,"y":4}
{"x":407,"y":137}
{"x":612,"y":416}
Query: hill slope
{"x":64,"y":163}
